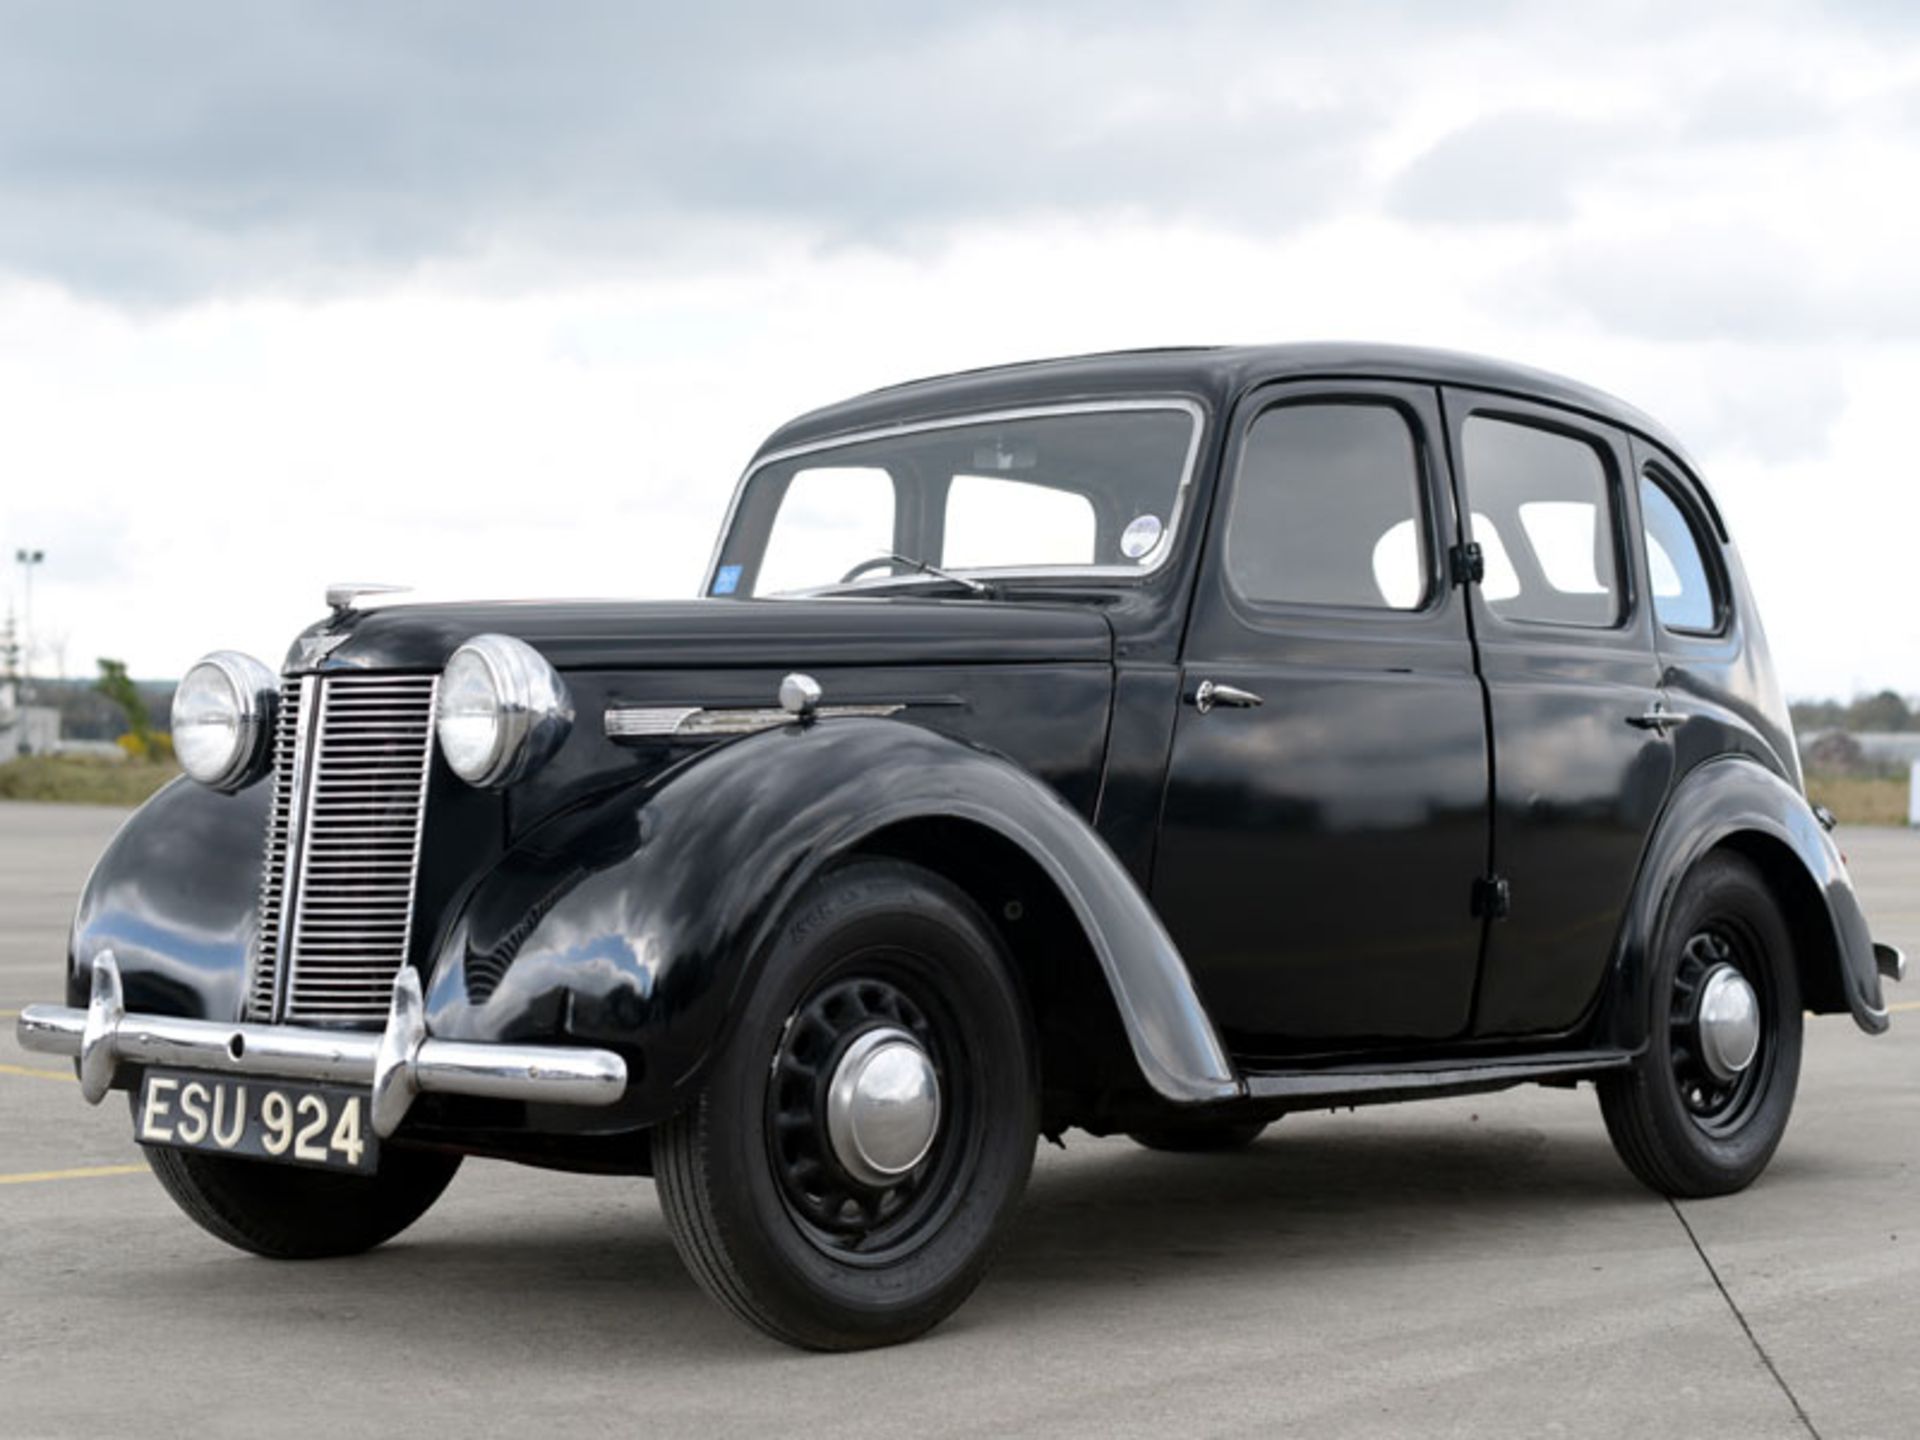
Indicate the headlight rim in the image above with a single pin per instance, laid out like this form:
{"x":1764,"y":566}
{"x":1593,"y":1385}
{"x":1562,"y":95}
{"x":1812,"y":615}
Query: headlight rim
{"x":532,"y":709}
{"x":256,"y":692}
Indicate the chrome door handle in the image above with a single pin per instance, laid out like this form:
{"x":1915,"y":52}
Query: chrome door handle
{"x":1210,"y":693}
{"x":1659,"y":718}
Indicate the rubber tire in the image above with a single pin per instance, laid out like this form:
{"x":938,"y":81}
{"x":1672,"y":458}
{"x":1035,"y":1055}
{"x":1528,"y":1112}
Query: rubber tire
{"x":1645,"y":1116}
{"x":1214,"y":1137}
{"x":711,"y":1164}
{"x":287,"y":1212}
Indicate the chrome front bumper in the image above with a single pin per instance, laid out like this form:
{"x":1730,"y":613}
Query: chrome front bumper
{"x":398,"y":1064}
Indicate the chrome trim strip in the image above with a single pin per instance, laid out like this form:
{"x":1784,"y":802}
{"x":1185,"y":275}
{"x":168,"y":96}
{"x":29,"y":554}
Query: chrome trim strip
{"x":1181,"y":500}
{"x":681,"y":722}
{"x":400,"y":1063}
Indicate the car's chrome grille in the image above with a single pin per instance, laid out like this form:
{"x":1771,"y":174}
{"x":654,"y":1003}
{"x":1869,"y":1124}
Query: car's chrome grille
{"x":343,"y":844}
{"x":273,"y":873}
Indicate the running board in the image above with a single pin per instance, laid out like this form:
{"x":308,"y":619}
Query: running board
{"x":1358,"y":1085}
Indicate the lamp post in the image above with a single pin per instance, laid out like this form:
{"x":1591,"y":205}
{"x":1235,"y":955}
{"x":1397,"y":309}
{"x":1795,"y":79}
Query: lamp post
{"x":27,"y":559}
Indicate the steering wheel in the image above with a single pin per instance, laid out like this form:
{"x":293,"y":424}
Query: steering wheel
{"x":872,"y":563}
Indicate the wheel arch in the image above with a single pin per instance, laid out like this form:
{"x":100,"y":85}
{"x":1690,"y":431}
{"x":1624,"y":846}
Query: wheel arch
{"x":1737,"y":804}
{"x":1084,"y":1050}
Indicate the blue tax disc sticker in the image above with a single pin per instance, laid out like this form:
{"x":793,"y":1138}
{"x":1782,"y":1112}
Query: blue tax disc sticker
{"x":726,"y":580}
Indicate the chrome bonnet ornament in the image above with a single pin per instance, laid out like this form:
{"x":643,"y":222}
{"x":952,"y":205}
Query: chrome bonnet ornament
{"x":342,"y":594}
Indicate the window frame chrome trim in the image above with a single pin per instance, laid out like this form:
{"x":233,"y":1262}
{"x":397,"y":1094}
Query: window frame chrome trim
{"x":1194,"y":409}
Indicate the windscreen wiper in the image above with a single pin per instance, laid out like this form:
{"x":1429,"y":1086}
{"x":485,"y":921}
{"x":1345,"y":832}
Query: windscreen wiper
{"x":972,"y":587}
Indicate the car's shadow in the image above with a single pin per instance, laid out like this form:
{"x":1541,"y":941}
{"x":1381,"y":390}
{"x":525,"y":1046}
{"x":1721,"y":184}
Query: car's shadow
{"x":594,"y":1278}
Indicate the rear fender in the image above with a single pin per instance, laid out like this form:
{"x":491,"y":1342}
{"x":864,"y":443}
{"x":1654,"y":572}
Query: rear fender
{"x":1738,"y":803}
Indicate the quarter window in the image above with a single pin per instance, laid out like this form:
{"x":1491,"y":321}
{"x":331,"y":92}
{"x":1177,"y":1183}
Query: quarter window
{"x":1683,"y":593}
{"x":1541,"y":499}
{"x":1327,"y":510}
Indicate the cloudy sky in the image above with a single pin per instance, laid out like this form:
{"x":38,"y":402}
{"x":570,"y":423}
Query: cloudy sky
{"x":495,"y":298}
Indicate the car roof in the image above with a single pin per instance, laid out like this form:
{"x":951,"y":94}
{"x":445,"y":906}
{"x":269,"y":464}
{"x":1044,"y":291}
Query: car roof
{"x":1216,"y":375}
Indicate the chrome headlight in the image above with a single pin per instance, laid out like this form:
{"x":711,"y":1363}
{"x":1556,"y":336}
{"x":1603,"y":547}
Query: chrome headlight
{"x":223,"y":720}
{"x":503,"y":710}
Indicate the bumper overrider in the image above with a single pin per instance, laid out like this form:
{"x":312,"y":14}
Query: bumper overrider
{"x":398,"y":1064}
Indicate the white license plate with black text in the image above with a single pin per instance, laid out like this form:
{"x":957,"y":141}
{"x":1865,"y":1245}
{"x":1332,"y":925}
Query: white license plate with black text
{"x":326,"y":1126}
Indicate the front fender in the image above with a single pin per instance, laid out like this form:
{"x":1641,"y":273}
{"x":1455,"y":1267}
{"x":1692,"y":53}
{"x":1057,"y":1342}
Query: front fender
{"x":638,"y":924}
{"x":1737,"y":801}
{"x":175,"y":896}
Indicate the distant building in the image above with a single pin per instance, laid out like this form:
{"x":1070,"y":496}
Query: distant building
{"x":26,"y":729}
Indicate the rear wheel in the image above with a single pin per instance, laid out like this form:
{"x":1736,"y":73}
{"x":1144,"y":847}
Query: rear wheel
{"x":287,"y":1212}
{"x":1702,"y":1110}
{"x":847,"y":1171}
{"x":1209,"y":1137}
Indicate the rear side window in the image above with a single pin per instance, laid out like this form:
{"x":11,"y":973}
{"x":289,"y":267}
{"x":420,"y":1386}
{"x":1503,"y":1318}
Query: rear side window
{"x":1540,"y":500}
{"x":1327,"y":510}
{"x":1684,"y":596}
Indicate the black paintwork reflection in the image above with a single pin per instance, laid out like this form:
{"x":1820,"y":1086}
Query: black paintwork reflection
{"x":175,"y":897}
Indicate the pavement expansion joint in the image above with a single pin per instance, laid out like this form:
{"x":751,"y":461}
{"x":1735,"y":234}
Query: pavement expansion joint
{"x":1746,"y":1329}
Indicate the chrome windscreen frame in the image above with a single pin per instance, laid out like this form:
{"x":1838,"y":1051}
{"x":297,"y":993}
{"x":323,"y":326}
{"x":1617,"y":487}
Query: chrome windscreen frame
{"x":1182,"y":500}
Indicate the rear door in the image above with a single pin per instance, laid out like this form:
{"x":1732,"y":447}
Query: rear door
{"x":1318,"y":849}
{"x":1581,"y":758}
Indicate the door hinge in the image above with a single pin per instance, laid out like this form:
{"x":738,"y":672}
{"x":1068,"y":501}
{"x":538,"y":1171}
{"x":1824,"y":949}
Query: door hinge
{"x":1492,"y":897}
{"x":1468,"y":563}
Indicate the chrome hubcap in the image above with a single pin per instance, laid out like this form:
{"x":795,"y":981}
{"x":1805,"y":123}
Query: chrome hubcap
{"x":883,"y":1106}
{"x":1727,"y":1023}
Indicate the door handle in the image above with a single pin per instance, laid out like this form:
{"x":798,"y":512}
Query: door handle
{"x":1659,"y":719}
{"x":1210,"y":693}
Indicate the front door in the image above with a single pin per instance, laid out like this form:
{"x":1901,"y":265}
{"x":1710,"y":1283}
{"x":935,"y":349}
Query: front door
{"x":1581,"y":757}
{"x":1319,"y":848}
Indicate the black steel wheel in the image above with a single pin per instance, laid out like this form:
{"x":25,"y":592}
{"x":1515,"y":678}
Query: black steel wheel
{"x":290,"y":1212}
{"x":1201,"y":1138}
{"x":862,"y":1138}
{"x":1702,"y":1110}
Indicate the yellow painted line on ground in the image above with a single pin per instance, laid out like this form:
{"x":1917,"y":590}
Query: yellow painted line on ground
{"x":9,"y":1014}
{"x":90,"y":1172}
{"x":1904,"y":1005}
{"x":35,"y":1073}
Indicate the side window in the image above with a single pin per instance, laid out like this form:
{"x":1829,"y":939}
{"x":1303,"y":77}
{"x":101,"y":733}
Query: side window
{"x":1540,"y":500}
{"x":1327,"y":510}
{"x":843,"y":514}
{"x":1009,"y":522}
{"x":1684,"y":597}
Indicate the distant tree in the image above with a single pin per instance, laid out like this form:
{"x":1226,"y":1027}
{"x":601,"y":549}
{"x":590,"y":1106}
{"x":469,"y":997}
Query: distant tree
{"x":1836,"y":753}
{"x":117,"y":686}
{"x":1809,"y":715}
{"x":1885,"y":711}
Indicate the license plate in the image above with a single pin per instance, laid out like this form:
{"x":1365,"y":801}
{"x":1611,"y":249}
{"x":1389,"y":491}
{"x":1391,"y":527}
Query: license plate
{"x":324,"y":1126}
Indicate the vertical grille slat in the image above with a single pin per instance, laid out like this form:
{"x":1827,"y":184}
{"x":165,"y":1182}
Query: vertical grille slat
{"x":351,"y":759}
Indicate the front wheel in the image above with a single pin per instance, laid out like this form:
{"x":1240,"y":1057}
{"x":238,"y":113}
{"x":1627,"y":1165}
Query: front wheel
{"x":846,"y":1172}
{"x":287,"y":1212}
{"x":1702,"y":1109}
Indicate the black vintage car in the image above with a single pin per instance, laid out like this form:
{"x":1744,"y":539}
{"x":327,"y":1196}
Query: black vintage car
{"x":1150,"y":743}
